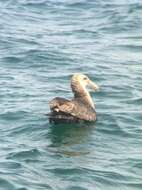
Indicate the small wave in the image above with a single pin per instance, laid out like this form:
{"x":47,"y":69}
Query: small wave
{"x":10,"y":165}
{"x":133,"y":48}
{"x":66,"y":171}
{"x":23,"y":155}
{"x":33,"y":2}
{"x":135,"y":101}
{"x":22,"y":188}
{"x":6,"y":184}
{"x":80,"y":4}
{"x":12,"y":59}
{"x":13,"y":115}
{"x":134,"y":8}
{"x":77,"y":187}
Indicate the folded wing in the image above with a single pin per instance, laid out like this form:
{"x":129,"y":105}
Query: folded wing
{"x":63,"y":107}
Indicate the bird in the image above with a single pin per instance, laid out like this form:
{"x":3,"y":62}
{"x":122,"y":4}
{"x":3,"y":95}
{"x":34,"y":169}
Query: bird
{"x":80,"y":108}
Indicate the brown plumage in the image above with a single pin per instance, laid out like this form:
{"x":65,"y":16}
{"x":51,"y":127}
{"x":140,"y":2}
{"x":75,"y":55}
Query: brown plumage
{"x":80,"y":108}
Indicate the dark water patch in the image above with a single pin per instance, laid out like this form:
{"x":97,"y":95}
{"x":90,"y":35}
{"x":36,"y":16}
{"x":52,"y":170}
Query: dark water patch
{"x":76,"y":187}
{"x":134,"y":185}
{"x":72,"y":153}
{"x":11,"y":59}
{"x":85,"y":33}
{"x":66,"y":172}
{"x":24,"y":155}
{"x":34,"y":3}
{"x":131,"y":48}
{"x":19,"y":130}
{"x":82,"y":5}
{"x":132,"y":37}
{"x":6,"y":184}
{"x":134,"y":8}
{"x":10,"y":165}
{"x":134,"y":101}
{"x":48,"y":56}
{"x":14,"y":115}
{"x":68,"y":135}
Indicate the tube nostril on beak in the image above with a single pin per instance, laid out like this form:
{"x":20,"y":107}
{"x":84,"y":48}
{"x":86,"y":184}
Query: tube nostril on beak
{"x":94,"y":86}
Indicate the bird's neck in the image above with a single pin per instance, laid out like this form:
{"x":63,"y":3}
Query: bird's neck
{"x":81,"y":93}
{"x":87,"y":99}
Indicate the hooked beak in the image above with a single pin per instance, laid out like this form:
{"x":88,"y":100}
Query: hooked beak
{"x":93,"y":86}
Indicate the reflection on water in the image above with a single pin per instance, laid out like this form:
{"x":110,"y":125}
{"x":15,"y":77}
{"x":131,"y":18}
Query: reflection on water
{"x":68,"y":139}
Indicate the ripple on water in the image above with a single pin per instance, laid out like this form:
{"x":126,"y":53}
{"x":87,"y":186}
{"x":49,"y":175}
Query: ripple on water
{"x":10,"y":115}
{"x":77,"y":187}
{"x":6,"y":184}
{"x":24,"y":155}
{"x":10,"y":165}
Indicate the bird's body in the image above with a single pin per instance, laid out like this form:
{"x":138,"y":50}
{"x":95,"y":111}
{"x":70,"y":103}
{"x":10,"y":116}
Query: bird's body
{"x":80,"y":108}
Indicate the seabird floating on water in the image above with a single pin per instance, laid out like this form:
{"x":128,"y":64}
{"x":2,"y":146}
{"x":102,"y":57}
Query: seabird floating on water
{"x":80,"y":108}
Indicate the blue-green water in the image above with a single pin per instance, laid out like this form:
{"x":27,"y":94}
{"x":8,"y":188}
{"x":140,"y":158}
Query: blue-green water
{"x":42,"y":43}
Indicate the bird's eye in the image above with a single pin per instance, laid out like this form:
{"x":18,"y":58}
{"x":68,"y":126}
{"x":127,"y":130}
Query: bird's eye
{"x":85,"y":78}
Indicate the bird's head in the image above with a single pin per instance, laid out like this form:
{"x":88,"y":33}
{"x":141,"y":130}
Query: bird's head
{"x":84,"y":81}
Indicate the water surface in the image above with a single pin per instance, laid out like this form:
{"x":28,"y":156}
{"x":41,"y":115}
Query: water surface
{"x":42,"y":43}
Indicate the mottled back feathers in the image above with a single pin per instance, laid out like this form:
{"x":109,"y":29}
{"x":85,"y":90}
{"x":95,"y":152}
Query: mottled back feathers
{"x":76,"y":109}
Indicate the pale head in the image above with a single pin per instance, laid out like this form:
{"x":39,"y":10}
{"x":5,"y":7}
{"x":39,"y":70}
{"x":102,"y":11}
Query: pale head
{"x":84,"y":81}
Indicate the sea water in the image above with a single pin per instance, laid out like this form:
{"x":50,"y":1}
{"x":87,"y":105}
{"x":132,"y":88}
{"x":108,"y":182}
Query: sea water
{"x":44,"y":42}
